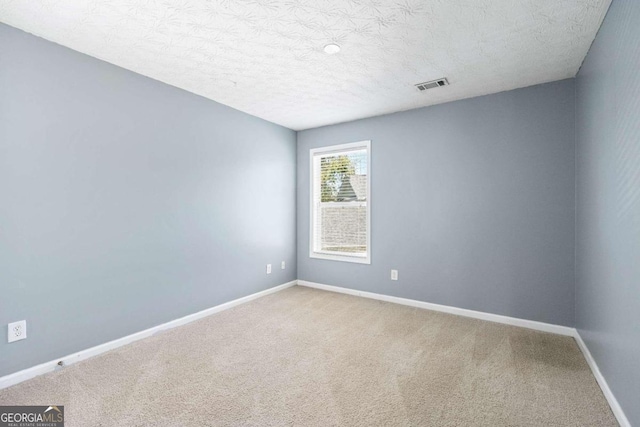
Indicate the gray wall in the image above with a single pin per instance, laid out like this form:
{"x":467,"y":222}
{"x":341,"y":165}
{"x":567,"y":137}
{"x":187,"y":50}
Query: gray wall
{"x":608,"y":203}
{"x":126,"y":203}
{"x":472,"y":201}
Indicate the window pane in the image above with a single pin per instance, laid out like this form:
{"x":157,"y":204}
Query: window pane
{"x":343,"y":177}
{"x":344,"y":227}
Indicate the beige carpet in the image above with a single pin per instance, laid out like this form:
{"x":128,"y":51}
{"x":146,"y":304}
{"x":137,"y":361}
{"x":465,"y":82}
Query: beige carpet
{"x":308,"y":357}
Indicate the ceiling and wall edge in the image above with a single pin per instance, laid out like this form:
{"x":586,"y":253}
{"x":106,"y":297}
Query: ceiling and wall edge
{"x":267,"y":59}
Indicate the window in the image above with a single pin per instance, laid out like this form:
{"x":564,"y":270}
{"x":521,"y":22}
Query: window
{"x":341,"y":202}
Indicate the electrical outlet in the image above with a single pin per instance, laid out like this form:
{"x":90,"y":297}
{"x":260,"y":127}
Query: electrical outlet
{"x":17,"y":331}
{"x":394,"y":274}
{"x":268,"y":268}
{"x":282,"y":265}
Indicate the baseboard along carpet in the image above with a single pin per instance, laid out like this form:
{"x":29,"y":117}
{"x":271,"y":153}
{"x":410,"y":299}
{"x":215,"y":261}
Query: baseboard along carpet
{"x":308,"y":357}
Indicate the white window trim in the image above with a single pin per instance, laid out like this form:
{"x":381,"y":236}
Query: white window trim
{"x":330,"y":255}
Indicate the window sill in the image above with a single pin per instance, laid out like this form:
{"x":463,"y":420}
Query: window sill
{"x":343,"y":258}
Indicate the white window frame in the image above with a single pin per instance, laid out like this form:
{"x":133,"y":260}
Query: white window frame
{"x":331,"y":255}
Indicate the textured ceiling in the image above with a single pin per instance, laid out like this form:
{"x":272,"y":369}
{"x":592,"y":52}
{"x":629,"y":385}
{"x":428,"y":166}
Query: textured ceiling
{"x":265,"y":57}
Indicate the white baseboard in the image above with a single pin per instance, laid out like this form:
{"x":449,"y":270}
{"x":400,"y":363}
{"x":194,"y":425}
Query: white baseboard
{"x":43,"y":368}
{"x":608,"y":394}
{"x":531,"y":324}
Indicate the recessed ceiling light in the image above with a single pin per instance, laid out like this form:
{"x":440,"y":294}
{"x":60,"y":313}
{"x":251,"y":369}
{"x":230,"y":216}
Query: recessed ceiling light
{"x":331,"y":48}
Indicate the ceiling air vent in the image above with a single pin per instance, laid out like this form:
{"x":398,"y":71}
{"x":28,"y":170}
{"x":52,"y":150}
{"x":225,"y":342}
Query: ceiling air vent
{"x":432,"y":84}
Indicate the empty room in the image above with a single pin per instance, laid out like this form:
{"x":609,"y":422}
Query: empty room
{"x":319,"y":213}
